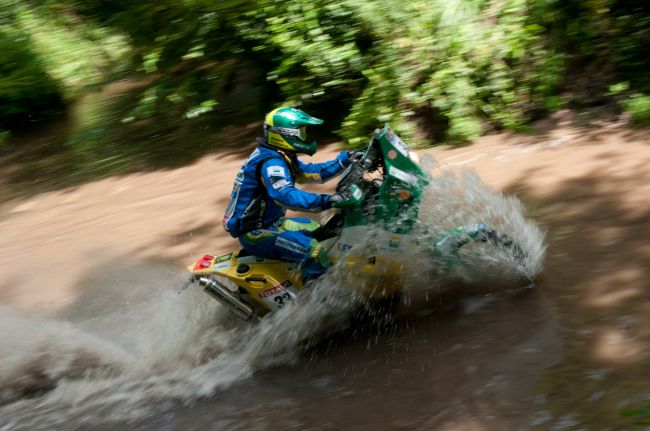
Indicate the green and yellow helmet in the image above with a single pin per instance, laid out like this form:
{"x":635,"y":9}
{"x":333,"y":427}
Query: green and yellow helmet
{"x":286,"y":129}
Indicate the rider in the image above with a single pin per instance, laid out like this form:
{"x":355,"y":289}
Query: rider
{"x":264,"y":188}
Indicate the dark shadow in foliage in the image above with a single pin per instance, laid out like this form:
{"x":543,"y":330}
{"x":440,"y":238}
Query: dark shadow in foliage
{"x":28,"y":94}
{"x":61,"y":154}
{"x":596,"y":272}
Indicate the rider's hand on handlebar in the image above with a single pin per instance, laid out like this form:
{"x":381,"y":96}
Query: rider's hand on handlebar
{"x":352,"y":199}
{"x":356,"y":156}
{"x":335,"y":198}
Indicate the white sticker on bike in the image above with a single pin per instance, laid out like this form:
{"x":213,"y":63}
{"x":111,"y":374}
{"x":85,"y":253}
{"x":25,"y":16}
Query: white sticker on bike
{"x":403,"y":176}
{"x":398,"y":143}
{"x":278,"y":296}
{"x":221,"y":266}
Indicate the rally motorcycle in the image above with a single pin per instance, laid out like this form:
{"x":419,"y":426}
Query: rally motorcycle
{"x":383,"y":193}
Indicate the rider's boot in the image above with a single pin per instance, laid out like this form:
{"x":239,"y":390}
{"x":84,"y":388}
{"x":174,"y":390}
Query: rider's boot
{"x":317,"y":264}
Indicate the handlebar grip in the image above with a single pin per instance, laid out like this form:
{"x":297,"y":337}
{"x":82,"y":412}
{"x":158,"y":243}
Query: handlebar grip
{"x":354,"y":200}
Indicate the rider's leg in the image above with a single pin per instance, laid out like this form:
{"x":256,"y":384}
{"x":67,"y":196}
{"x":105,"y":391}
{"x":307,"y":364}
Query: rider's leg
{"x":288,"y":245}
{"x":259,"y":242}
{"x":317,"y":262}
{"x":297,"y":224}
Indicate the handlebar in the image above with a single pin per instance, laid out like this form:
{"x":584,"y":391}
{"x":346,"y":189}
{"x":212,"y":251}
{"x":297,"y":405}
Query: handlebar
{"x":353,"y":199}
{"x":354,"y":172}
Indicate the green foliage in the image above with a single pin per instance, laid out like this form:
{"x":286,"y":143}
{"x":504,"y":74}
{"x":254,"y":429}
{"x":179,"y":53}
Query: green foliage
{"x":4,"y":137}
{"x":187,"y":50}
{"x":639,"y":107}
{"x":49,"y":54}
{"x":458,"y":68}
{"x":479,"y":64}
{"x":640,"y":415}
{"x":77,"y":53}
{"x":604,"y":40}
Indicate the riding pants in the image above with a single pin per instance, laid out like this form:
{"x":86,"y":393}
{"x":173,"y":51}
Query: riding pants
{"x":288,"y":239}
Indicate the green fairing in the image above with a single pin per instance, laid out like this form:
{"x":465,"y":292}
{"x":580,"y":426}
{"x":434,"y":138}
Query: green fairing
{"x":399,"y":196}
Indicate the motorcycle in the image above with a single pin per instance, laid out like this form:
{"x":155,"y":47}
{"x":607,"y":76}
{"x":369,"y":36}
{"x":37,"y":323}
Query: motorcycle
{"x":383,"y":192}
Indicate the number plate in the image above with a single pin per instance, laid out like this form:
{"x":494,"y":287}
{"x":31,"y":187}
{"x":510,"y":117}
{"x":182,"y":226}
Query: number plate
{"x":278,"y":296}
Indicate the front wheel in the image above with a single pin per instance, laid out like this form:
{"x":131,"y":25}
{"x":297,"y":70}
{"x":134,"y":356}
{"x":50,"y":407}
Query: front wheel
{"x":456,"y":245}
{"x":504,"y":242}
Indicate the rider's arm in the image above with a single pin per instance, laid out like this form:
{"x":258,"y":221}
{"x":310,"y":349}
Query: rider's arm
{"x":280,"y":187}
{"x":321,"y":172}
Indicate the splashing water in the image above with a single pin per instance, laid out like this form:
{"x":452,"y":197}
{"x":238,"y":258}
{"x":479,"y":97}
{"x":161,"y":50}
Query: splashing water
{"x":125,"y":364}
{"x":191,"y":350}
{"x":453,"y":199}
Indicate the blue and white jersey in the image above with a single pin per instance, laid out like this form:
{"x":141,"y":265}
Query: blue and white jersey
{"x":265,"y":188}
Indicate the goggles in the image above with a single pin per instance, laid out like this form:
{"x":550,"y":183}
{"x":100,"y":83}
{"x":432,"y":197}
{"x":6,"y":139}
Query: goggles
{"x":300,"y":133}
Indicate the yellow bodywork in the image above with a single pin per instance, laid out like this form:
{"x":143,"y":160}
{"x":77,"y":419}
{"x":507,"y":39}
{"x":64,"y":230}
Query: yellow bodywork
{"x":376,"y":277}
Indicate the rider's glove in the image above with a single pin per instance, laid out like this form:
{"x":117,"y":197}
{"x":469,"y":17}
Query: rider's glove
{"x":356,"y":156}
{"x":335,"y":198}
{"x":352,"y":200}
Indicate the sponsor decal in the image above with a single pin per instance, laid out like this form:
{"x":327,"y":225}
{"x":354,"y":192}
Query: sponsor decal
{"x":250,"y":259}
{"x":285,"y":131}
{"x":204,"y":262}
{"x":275,"y":171}
{"x":278,"y":296}
{"x":403,"y":176}
{"x":223,"y":258}
{"x":398,"y":144}
{"x":280,"y":184}
{"x":221,"y":266}
{"x":392,"y":155}
{"x":275,"y":289}
{"x":403,"y":194}
{"x":290,"y":245}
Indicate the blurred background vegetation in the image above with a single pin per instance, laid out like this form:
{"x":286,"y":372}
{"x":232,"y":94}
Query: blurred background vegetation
{"x":152,"y":83}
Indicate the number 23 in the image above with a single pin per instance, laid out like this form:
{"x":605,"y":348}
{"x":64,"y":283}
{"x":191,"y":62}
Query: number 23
{"x":280,"y":299}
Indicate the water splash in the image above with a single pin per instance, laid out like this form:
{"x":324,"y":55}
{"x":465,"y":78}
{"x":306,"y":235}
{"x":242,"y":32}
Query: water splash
{"x":183,"y":348}
{"x":457,"y":199}
{"x":125,"y":364}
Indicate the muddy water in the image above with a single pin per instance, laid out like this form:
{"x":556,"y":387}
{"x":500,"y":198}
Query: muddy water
{"x":447,"y":370}
{"x":95,"y":335}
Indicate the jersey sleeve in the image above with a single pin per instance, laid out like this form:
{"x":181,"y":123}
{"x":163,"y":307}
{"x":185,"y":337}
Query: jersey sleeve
{"x":322,"y":172}
{"x":281,"y":188}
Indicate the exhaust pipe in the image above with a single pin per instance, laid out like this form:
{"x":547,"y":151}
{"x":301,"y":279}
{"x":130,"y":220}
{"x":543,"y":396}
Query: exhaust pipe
{"x":226,"y":297}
